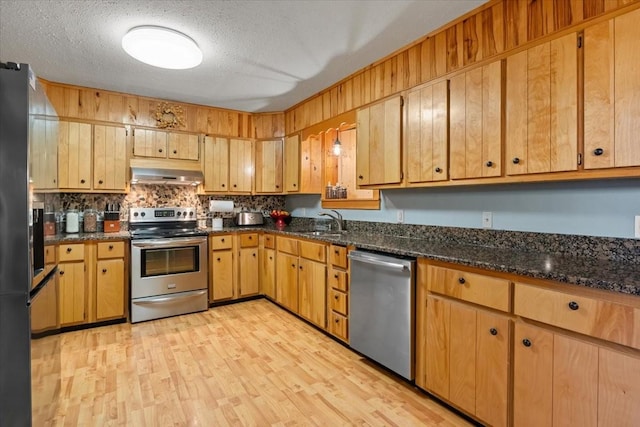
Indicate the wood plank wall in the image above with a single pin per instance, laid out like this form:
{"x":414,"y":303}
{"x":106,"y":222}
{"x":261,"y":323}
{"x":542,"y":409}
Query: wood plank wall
{"x":74,"y":102}
{"x":492,"y":29}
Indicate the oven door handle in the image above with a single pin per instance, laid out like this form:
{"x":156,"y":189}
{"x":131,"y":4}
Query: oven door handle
{"x":168,"y":243}
{"x":169,"y":298}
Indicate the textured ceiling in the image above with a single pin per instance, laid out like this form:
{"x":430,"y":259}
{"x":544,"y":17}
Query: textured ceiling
{"x":258,"y":55}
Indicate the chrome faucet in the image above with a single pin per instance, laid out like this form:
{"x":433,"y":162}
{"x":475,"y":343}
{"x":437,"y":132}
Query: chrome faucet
{"x":337,"y":218}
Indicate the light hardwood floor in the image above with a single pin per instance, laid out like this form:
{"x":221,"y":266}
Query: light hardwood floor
{"x":246,"y":364}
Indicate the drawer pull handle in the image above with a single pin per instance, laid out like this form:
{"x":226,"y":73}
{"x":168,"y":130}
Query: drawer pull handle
{"x":110,"y":247}
{"x":598,"y":151}
{"x":493,"y":331}
{"x":526,"y":342}
{"x":104,"y":270}
{"x":69,"y":250}
{"x":222,"y":240}
{"x":461,"y":280}
{"x":574,"y":305}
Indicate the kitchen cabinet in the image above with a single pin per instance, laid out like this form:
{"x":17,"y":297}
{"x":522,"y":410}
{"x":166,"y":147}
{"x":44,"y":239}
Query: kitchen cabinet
{"x":44,"y":156}
{"x":44,"y":313}
{"x":476,"y":122}
{"x":292,"y":164}
{"x":216,"y":164}
{"x":379,"y":143}
{"x":165,"y":145}
{"x":311,"y":164}
{"x":542,"y":108}
{"x":74,"y":155}
{"x":338,"y":292}
{"x":184,"y":146}
{"x":221,"y":266}
{"x":72,"y":284}
{"x":287,"y":276}
{"x":611,"y":104}
{"x":109,"y":157}
{"x":269,"y":166}
{"x":240,"y":166}
{"x":312,"y":273}
{"x":268,"y":266}
{"x":111,"y":281}
{"x":249,"y":265}
{"x":426,"y":134}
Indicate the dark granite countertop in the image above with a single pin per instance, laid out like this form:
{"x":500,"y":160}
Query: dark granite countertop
{"x":616,"y":276}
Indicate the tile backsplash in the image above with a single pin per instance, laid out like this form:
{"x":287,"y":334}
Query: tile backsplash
{"x":157,"y":196}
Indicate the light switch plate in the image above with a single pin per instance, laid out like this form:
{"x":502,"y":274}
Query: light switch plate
{"x":487,"y":220}
{"x":400,"y":216}
{"x":637,"y":231}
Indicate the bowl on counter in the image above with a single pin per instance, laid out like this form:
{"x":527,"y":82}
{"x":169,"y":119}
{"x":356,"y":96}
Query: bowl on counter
{"x":281,"y":220}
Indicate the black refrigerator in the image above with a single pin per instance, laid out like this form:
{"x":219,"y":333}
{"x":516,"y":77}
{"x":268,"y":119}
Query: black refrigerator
{"x":22,"y":272}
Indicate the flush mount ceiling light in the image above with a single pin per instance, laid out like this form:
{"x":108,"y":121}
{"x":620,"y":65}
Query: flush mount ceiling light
{"x":162,"y":47}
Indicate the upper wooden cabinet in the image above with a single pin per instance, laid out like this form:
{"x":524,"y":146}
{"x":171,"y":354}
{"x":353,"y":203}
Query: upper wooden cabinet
{"x":240,"y":166}
{"x":611,"y":86}
{"x":228,"y":165}
{"x":109,"y":157}
{"x":74,"y":155}
{"x":292,"y":164}
{"x":44,"y":155}
{"x":311,"y":164}
{"x":379,"y":143}
{"x":269,"y":166}
{"x":161,"y":144}
{"x":542,"y":108}
{"x":426,"y":134}
{"x":476,"y":122}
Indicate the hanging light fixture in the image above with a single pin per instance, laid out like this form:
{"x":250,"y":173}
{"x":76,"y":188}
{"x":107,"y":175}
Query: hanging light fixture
{"x":162,"y":47}
{"x":337,"y":145}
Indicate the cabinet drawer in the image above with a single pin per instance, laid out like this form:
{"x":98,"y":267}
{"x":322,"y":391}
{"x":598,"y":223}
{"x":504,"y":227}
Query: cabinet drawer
{"x":338,"y":301}
{"x":222,"y":241}
{"x":248,"y":240}
{"x":476,"y":288}
{"x":110,"y":250}
{"x":338,"y":256}
{"x":50,"y":254}
{"x":269,"y":241}
{"x":339,"y":326}
{"x":608,"y":320}
{"x":337,"y":279}
{"x":72,"y":252}
{"x":313,"y":251}
{"x":287,"y":245}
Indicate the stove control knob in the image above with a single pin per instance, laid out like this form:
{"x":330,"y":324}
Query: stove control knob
{"x":179,"y":213}
{"x":191,"y":213}
{"x":142,"y":214}
{"x":135,"y":214}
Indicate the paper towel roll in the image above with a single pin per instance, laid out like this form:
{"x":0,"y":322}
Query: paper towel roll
{"x":220,"y":205}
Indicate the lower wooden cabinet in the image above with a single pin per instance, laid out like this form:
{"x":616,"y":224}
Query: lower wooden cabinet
{"x":268,"y":266}
{"x":312,"y":291}
{"x":110,"y":289}
{"x":287,"y":276}
{"x":72,"y":284}
{"x":221,"y":267}
{"x":338,"y":293}
{"x":249,"y":265}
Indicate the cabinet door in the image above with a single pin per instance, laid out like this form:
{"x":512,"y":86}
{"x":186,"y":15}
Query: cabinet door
{"x":611,"y":106}
{"x":269,"y":166}
{"x":240,"y":165}
{"x":248,"y":281}
{"x":222,"y":275}
{"x":44,"y":155}
{"x":618,"y":389}
{"x":287,"y":274}
{"x":44,"y":313}
{"x":268,"y":273}
{"x":532,"y":376}
{"x":542,"y":108}
{"x":149,"y":143}
{"x":110,"y":289}
{"x":462,"y":357}
{"x":492,"y":368}
{"x":437,"y":341}
{"x":426,"y":134}
{"x":312,"y":286}
{"x":184,"y":146}
{"x":216,"y":164}
{"x":109,"y":157}
{"x":292,"y":164}
{"x":379,"y":144}
{"x":475,"y":122}
{"x":311,"y":164}
{"x":72,"y":298}
{"x":74,"y":155}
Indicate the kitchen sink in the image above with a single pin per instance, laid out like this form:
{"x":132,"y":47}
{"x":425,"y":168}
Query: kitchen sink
{"x":318,"y":233}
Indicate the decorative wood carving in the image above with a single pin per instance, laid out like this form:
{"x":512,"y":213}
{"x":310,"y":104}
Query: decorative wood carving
{"x":169,"y":116}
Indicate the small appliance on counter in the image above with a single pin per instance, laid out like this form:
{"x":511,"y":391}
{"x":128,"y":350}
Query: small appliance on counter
{"x":219,"y":206}
{"x":112,"y":218}
{"x":248,"y":218}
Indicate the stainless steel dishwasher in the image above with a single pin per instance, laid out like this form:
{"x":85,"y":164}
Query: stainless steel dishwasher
{"x":381,"y":309}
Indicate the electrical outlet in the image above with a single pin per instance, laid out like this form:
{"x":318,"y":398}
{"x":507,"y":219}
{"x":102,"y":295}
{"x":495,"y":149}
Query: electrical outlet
{"x":637,"y":233}
{"x":400,"y":216}
{"x":487,"y":220}
{"x":303,"y":212}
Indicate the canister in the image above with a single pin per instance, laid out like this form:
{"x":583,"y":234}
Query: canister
{"x":73,"y":225}
{"x":90,"y":220}
{"x":49,"y":224}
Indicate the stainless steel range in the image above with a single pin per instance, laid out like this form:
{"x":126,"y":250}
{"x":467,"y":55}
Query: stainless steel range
{"x":169,"y":269}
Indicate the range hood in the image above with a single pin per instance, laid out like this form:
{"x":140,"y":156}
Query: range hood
{"x":162,"y":175}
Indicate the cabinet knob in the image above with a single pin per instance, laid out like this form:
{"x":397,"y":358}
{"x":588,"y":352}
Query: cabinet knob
{"x":574,"y":305}
{"x":69,"y":250}
{"x":515,"y":160}
{"x":300,"y":267}
{"x":104,"y":270}
{"x":100,"y":182}
{"x":493,"y":331}
{"x":270,"y":257}
{"x":335,"y":275}
{"x":250,"y":237}
{"x":222,"y":185}
{"x":62,"y":272}
{"x":222,"y":240}
{"x":160,"y":150}
{"x":360,"y":177}
{"x":254,"y":254}
{"x":234,"y":185}
{"x":218,"y":259}
{"x":293,"y":265}
{"x":337,"y":321}
{"x":598,"y":152}
{"x":82,"y":181}
{"x":489,"y":163}
{"x":526,"y":342}
{"x":336,"y":297}
{"x":295,"y":185}
{"x":461,"y":280}
{"x":110,"y":247}
{"x":175,"y":151}
{"x":277,"y":186}
{"x":337,"y":252}
{"x":438,"y":170}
